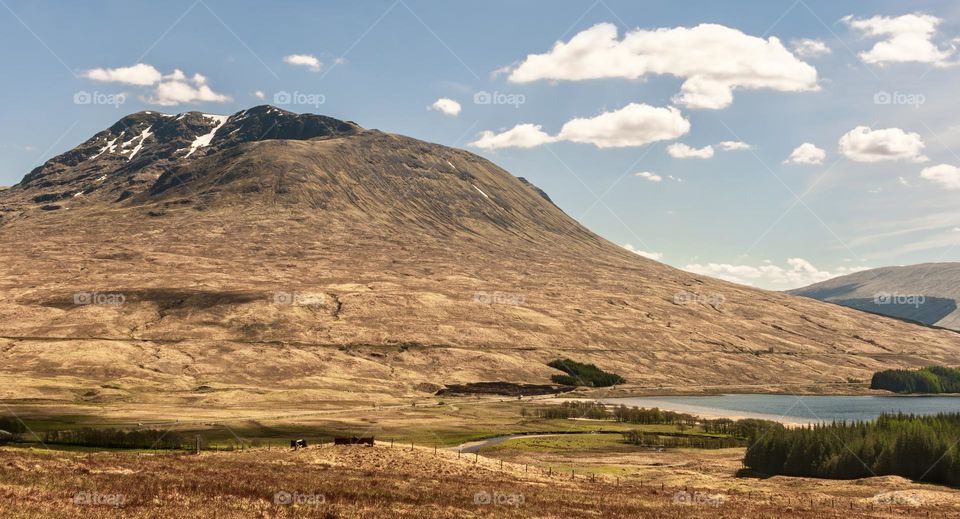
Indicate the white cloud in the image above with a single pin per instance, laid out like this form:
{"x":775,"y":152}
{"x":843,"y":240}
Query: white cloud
{"x":171,"y":89}
{"x":797,"y":273}
{"x":946,"y":175}
{"x":902,"y":181}
{"x":652,"y":177}
{"x":863,"y":144}
{"x":904,"y":39}
{"x":520,"y":136}
{"x":308,"y":61}
{"x":140,"y":74}
{"x":733,"y":146}
{"x":806,"y":153}
{"x":807,"y":48}
{"x":655,"y":256}
{"x":682,"y":151}
{"x":714,"y":60}
{"x":259,"y":94}
{"x":177,"y":88}
{"x":633,"y":125}
{"x":446,"y":106}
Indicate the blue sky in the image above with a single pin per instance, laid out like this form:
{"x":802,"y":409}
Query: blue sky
{"x":871,"y":85}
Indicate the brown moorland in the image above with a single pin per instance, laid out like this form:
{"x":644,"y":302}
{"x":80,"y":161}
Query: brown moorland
{"x":297,"y":258}
{"x":380,"y":481}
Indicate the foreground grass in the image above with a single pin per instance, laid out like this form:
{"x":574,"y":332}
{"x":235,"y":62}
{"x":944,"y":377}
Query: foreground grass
{"x":367,"y":482}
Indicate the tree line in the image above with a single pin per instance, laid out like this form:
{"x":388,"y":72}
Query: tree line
{"x":119,"y":439}
{"x":747,"y":429}
{"x":914,"y":447}
{"x":933,"y":379}
{"x":578,"y":374}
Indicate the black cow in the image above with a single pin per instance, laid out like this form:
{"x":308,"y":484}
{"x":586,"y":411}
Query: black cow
{"x":353,"y":441}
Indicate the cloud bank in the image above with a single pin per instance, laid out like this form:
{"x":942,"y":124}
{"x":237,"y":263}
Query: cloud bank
{"x":633,"y":125}
{"x":714,"y":60}
{"x":169,"y":90}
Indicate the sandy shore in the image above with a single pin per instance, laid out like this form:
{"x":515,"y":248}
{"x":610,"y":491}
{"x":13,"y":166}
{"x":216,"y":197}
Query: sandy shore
{"x":702,"y":412}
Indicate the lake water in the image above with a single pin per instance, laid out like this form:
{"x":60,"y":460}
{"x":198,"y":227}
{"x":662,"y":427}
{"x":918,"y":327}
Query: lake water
{"x":796,"y":409}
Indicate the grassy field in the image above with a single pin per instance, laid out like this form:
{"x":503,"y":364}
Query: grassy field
{"x":380,"y":481}
{"x":591,"y":474}
{"x":442,"y":425}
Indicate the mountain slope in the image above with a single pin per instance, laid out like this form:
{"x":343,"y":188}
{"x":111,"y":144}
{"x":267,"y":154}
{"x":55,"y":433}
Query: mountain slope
{"x":928,"y":293}
{"x":328,"y":261}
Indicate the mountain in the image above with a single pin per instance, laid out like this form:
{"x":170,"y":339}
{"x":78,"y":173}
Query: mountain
{"x":269,"y":257}
{"x":927,"y":293}
{"x":135,"y":152}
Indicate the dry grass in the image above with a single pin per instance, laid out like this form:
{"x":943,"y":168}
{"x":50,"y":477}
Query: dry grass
{"x":384,"y":482}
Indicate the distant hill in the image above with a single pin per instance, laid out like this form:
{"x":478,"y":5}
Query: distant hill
{"x":927,"y":293}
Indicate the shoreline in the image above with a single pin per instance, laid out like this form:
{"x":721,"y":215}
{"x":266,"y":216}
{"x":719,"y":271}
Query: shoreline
{"x":667,"y":403}
{"x":713,"y":413}
{"x":703,"y":412}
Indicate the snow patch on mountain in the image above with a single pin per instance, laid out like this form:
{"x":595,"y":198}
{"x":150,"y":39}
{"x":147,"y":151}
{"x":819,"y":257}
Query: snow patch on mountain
{"x":143,"y":136}
{"x":110,"y":147}
{"x":205,"y":140}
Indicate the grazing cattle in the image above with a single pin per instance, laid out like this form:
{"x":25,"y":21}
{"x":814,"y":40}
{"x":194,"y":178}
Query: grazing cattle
{"x":298,"y":444}
{"x":353,"y":440}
